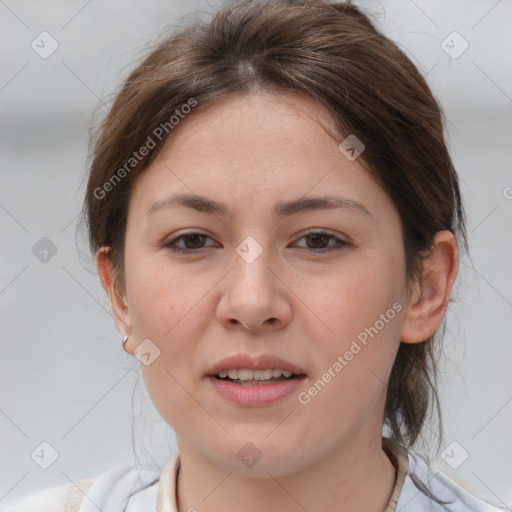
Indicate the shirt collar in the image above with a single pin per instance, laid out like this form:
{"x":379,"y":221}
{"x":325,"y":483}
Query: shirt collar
{"x":399,"y":458}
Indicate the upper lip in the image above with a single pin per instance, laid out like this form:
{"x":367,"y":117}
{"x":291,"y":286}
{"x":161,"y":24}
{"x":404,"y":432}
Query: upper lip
{"x":262,"y":362}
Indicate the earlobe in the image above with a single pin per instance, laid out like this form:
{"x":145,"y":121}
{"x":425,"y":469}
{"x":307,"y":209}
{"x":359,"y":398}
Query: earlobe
{"x":117,"y":301}
{"x":430,"y":298}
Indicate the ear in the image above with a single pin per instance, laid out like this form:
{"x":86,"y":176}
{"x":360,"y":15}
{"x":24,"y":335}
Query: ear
{"x":118,"y":302}
{"x":430,"y":298}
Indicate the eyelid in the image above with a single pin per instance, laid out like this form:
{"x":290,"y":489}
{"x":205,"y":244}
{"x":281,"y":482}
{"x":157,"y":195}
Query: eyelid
{"x":181,"y":236}
{"x":339,"y":242}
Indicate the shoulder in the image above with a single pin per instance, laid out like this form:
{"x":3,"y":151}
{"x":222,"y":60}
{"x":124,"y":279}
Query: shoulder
{"x":428,"y":488}
{"x":110,"y":491}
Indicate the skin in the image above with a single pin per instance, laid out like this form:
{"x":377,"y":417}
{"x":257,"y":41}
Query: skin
{"x":251,"y":152}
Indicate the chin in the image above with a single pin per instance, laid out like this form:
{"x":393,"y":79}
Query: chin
{"x":260,"y":457}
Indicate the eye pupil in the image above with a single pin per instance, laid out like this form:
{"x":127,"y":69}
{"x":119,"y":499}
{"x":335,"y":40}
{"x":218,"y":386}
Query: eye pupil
{"x":195,"y":237}
{"x":318,"y":237}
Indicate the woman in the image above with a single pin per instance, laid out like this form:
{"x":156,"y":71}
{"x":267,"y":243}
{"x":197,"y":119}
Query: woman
{"x":275,"y":215}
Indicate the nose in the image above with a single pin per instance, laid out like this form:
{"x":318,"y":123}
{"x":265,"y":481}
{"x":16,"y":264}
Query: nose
{"x":254,"y":296}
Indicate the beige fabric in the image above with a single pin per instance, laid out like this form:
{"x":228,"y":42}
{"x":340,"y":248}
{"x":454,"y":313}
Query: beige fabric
{"x":76,"y":493}
{"x":398,"y":456}
{"x":168,"y":484}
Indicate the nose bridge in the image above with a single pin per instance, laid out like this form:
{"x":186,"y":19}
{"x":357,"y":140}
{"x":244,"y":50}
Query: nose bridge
{"x":250,"y":250}
{"x":251,"y":273}
{"x":251,"y":296}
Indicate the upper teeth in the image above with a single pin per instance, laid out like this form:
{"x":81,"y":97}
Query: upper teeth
{"x":243,"y":374}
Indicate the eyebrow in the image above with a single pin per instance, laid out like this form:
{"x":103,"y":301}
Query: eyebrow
{"x":282,"y":209}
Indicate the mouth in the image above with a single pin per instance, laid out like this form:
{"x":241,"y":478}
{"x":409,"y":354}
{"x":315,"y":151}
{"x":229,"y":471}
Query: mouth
{"x":247,"y":377}
{"x":246,"y":370}
{"x":255,"y":381}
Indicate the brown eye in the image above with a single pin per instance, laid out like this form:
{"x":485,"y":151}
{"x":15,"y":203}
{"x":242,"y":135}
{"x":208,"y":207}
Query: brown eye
{"x":191,"y":242}
{"x":196,"y":240}
{"x":319,"y":241}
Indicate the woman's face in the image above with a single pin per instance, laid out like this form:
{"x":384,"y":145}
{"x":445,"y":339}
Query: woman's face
{"x":258,"y":281}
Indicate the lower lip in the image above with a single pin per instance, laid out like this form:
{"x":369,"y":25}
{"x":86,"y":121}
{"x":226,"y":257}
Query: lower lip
{"x":256,"y":395}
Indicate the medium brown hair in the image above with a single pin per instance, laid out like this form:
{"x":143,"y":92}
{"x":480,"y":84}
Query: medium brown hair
{"x":330,"y":53}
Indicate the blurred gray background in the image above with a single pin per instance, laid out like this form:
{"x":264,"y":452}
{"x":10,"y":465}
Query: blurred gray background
{"x":64,"y":377}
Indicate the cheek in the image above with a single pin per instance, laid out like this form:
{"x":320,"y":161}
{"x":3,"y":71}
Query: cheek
{"x":348,"y":300}
{"x":360,"y":320}
{"x":163,"y":298}
{"x":166,"y":308}
{"x":351,"y":379}
{"x":174,"y":399}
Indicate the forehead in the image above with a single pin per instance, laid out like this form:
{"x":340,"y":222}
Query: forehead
{"x":285,"y":123}
{"x":256,"y":151}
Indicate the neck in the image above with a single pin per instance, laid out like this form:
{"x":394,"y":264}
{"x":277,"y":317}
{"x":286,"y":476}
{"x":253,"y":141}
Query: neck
{"x":357,"y":476}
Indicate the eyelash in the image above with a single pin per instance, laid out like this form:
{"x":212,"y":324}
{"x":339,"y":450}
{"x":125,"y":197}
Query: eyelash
{"x":341,"y":244}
